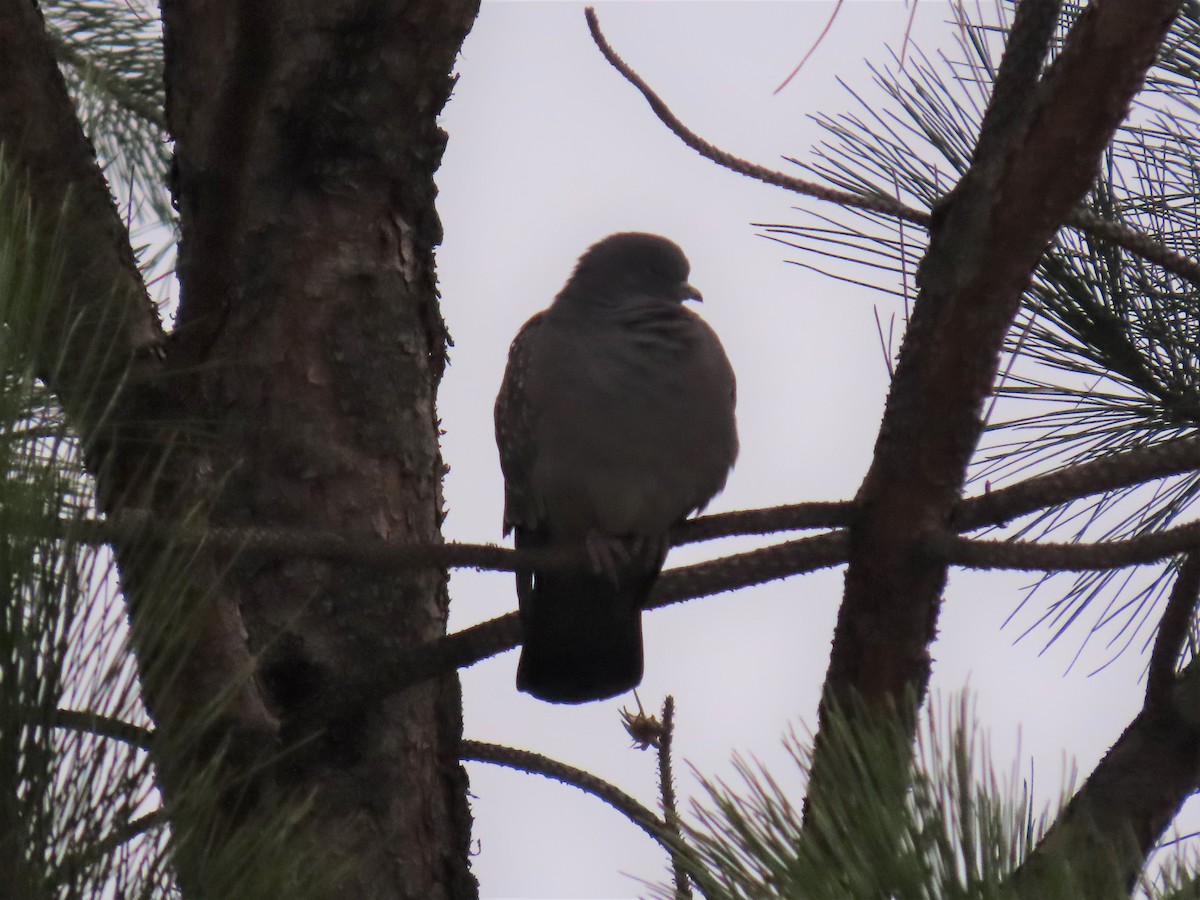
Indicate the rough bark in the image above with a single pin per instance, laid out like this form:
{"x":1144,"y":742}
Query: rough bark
{"x":1040,"y":158}
{"x":299,"y":390}
{"x":1112,"y":824}
{"x":306,"y":143}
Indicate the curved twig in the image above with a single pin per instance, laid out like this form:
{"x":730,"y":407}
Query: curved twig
{"x":1135,"y":242}
{"x":535,"y":763}
{"x":880,"y":203}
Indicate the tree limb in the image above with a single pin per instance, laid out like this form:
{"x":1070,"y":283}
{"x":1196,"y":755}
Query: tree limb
{"x":536,"y":764}
{"x":471,"y":645}
{"x":100,"y":335}
{"x":1174,"y":625}
{"x":985,"y":242}
{"x":1118,"y":470}
{"x":1112,"y":823}
{"x":1083,"y":220}
{"x":974,"y":553}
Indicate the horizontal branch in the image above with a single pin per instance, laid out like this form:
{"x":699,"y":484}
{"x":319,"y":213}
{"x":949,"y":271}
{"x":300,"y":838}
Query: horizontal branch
{"x":471,"y":645}
{"x":1118,"y":470}
{"x":267,"y":542}
{"x":973,"y":553}
{"x":772,"y":520}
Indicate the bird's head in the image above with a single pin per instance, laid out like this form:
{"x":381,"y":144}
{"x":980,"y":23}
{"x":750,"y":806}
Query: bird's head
{"x":631,"y":269}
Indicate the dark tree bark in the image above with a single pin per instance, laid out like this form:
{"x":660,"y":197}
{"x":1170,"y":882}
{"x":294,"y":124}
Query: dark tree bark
{"x":299,"y":389}
{"x":1037,"y":156}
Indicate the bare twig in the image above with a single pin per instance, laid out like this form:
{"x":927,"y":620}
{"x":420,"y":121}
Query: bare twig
{"x":1135,"y":242}
{"x":837,"y":7}
{"x":97,"y":724}
{"x":880,"y":203}
{"x":535,"y":763}
{"x":795,"y":516}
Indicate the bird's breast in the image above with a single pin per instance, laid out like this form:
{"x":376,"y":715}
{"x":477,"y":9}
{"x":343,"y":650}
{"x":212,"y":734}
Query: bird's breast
{"x":637,"y":430}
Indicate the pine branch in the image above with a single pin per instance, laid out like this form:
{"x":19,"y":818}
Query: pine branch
{"x":537,"y":764}
{"x":1113,"y":822}
{"x":270,"y":542}
{"x":984,"y":246}
{"x":666,"y":787}
{"x":471,"y":645}
{"x":1118,"y":470}
{"x":973,"y":553}
{"x":1134,"y":241}
{"x":102,"y":320}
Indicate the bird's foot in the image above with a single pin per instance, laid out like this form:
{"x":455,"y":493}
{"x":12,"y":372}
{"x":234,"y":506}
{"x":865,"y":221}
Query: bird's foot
{"x":608,"y":554}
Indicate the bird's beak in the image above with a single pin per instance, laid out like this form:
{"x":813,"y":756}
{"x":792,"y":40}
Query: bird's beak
{"x":687,"y":292}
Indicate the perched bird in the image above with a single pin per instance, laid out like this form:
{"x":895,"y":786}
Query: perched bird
{"x":615,"y":421}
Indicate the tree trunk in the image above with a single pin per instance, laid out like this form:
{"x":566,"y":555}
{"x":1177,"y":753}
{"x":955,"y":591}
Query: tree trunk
{"x":311,"y":344}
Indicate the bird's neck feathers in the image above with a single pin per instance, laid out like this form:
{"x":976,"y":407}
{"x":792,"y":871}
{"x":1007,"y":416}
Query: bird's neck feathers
{"x":618,"y":307}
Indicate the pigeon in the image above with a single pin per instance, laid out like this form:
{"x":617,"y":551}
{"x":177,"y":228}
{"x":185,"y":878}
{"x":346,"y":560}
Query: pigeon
{"x":615,"y":421}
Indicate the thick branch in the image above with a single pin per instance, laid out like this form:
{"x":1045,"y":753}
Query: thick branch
{"x":1173,"y":628}
{"x":1112,"y":824}
{"x":984,"y":244}
{"x":100,"y":321}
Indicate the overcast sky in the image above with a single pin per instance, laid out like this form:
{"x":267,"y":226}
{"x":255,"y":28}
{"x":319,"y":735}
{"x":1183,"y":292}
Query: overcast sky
{"x":551,"y":150}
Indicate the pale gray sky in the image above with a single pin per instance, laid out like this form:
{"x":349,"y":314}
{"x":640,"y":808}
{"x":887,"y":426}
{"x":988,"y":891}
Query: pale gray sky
{"x":550,"y":150}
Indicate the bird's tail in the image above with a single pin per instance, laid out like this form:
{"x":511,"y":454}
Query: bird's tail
{"x":583,"y":634}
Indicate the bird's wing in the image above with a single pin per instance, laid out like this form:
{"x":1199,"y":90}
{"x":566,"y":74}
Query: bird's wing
{"x":514,"y":430}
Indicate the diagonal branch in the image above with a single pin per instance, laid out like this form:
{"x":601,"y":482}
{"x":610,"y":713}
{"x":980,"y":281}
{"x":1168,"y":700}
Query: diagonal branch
{"x":1083,"y":220}
{"x":984,"y":245}
{"x":1173,"y":628}
{"x":101,"y":320}
{"x":1112,"y":823}
{"x":536,"y":764}
{"x":470,"y":645}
